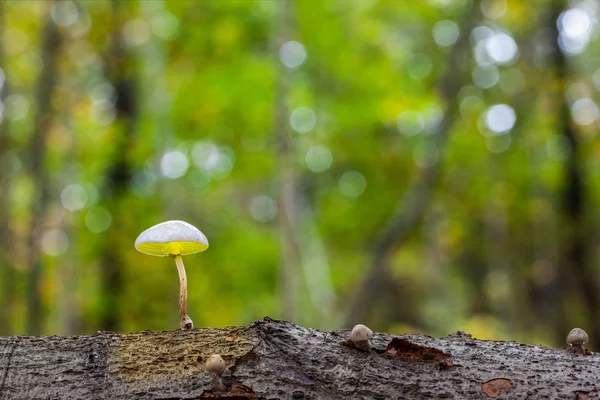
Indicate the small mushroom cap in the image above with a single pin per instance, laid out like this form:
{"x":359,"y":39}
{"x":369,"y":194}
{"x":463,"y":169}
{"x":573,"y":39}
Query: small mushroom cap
{"x":361,"y":333}
{"x":577,"y":336}
{"x":171,"y":238}
{"x":215,"y":364}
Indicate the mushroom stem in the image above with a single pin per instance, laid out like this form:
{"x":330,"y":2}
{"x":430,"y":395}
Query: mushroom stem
{"x":218,"y":382}
{"x":186,"y":322}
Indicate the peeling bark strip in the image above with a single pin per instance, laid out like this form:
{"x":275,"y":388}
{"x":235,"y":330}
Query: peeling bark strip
{"x":279,"y":360}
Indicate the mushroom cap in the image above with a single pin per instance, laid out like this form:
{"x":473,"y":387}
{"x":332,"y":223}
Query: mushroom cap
{"x":577,"y":336}
{"x":215,"y":364}
{"x":171,"y":238}
{"x":360,"y":333}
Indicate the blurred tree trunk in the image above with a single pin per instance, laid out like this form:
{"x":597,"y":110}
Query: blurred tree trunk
{"x":574,"y":269}
{"x":534,"y":303}
{"x":7,"y":271}
{"x":474,"y":267}
{"x":279,"y":360}
{"x":302,"y":255}
{"x":119,"y":70}
{"x":51,"y":43}
{"x":287,"y":184}
{"x":508,"y":255}
{"x":69,"y":312}
{"x":412,"y":206}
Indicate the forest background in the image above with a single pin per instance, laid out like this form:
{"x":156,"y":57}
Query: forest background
{"x":417,"y":166}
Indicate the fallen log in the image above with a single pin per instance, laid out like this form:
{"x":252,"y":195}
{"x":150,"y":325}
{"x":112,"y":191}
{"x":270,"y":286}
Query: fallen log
{"x":271,"y":359}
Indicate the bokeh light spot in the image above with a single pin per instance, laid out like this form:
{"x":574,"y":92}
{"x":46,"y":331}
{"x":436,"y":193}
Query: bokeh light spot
{"x":64,"y":13}
{"x":318,"y":158}
{"x":352,"y":184}
{"x":498,"y":143}
{"x":136,"y":32}
{"x":98,"y":219}
{"x":92,"y":194}
{"x":263,"y":209}
{"x":174,"y":164}
{"x":585,"y":111}
{"x":471,"y":105}
{"x":292,"y":54}
{"x":418,"y":66}
{"x":575,"y":26}
{"x":224,"y":164}
{"x":73,"y":197}
{"x":410,"y":123}
{"x":575,"y":23}
{"x":501,"y":48}
{"x":500,"y":118}
{"x":432,"y":117}
{"x":198,"y":179}
{"x":54,"y":242}
{"x":445,"y":33}
{"x":493,"y":9}
{"x":16,"y":107}
{"x":103,"y":92}
{"x":485,"y":76}
{"x":165,"y":25}
{"x":303,"y":119}
{"x":213,"y":160}
{"x":102,"y":112}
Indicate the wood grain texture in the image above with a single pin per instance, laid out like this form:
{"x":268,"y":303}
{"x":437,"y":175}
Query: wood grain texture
{"x":279,"y":360}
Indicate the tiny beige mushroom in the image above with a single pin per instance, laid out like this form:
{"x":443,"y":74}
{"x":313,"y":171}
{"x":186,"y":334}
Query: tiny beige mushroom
{"x":216,"y":366}
{"x":360,"y":337}
{"x":577,"y":338}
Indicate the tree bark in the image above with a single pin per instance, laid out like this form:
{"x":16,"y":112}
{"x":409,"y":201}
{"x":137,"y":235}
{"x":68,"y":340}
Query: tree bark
{"x":271,"y":359}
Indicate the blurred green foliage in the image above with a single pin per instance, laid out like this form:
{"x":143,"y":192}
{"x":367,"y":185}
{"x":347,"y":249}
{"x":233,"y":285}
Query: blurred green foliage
{"x":362,"y":92}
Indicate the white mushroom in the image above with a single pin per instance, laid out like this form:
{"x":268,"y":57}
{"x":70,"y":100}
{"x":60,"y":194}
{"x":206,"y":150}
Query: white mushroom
{"x":216,"y":366}
{"x":174,"y":239}
{"x":360,"y":336}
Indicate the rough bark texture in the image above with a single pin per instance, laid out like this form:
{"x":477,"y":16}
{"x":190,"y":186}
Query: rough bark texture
{"x":279,"y":360}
